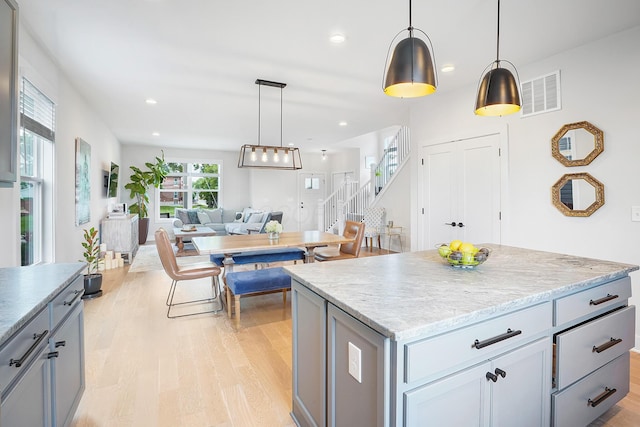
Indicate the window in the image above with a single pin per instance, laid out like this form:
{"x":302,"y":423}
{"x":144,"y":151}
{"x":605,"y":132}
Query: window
{"x":190,"y":185}
{"x":37,"y":121}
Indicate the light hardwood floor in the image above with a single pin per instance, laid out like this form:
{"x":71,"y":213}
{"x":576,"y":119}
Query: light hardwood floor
{"x":143,"y":369}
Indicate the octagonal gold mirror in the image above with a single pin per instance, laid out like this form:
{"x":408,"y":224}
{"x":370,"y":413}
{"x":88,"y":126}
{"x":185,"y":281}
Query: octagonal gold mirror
{"x":577,"y":194}
{"x":577,"y":144}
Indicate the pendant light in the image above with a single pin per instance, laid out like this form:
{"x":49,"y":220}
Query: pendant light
{"x":411,"y":72}
{"x":498,"y":91}
{"x":269,"y":156}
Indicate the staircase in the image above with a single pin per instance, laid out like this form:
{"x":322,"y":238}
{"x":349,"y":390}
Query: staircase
{"x":349,"y":201}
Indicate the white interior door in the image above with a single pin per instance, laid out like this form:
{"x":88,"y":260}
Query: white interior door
{"x":311,"y":189}
{"x":462,"y":187}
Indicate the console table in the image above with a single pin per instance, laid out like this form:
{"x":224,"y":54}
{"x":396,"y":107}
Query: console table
{"x":121,"y":235}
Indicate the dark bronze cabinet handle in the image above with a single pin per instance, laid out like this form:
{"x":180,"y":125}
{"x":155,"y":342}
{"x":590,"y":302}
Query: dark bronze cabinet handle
{"x":77,"y":294}
{"x":602,"y":397}
{"x":500,"y":372}
{"x":52,"y":354}
{"x":609,"y":297}
{"x":491,"y":376}
{"x":608,"y":344}
{"x":509,"y":334}
{"x":60,"y":344}
{"x":18,"y":362}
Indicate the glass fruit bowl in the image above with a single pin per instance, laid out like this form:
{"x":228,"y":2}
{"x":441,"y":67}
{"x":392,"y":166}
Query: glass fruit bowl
{"x":466,"y":256}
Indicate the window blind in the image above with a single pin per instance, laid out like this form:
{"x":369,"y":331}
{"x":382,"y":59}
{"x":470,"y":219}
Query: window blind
{"x":37,"y":112}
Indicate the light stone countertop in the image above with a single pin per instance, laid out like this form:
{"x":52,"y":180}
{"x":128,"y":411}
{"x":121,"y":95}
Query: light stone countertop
{"x":24,"y":291}
{"x":406,"y":295}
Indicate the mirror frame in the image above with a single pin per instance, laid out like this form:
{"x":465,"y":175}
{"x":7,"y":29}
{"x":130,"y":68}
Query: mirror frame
{"x":597,"y":185}
{"x":598,"y":139}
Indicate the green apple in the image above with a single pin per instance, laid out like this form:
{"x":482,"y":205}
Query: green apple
{"x":444,"y":250}
{"x":468,"y":259}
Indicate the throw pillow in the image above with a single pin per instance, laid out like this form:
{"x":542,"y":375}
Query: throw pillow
{"x":246,"y":213}
{"x":203,"y":218}
{"x":215,"y":215}
{"x":239,"y":217}
{"x":182,"y":215}
{"x":255,"y":217}
{"x":193,"y":216}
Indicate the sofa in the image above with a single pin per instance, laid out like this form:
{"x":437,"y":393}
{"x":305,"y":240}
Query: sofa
{"x":226,"y":221}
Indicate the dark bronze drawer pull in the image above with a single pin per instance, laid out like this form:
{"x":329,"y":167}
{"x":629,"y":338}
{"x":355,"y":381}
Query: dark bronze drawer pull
{"x":17,"y":363}
{"x":609,"y":297}
{"x":598,"y":400}
{"x":491,"y":376}
{"x":609,"y":344}
{"x":77,"y":294}
{"x":480,"y":344}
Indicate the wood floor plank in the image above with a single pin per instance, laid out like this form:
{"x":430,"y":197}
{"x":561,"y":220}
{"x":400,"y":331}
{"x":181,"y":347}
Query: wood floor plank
{"x":145,"y":370}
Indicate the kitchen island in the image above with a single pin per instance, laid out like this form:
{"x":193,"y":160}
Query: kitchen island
{"x":41,"y":344}
{"x":525,"y":338}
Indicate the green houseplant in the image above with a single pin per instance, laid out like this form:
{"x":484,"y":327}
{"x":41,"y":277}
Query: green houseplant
{"x":91,"y":254}
{"x":140,"y":183}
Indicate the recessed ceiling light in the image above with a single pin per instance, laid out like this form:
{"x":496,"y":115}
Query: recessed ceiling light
{"x":448,"y":68}
{"x":337,"y":38}
{"x":342,"y":123}
{"x":151,"y":101}
{"x":155,"y":134}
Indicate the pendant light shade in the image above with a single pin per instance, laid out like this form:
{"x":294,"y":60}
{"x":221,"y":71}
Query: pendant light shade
{"x":498,"y":90}
{"x":498,"y":94}
{"x":411,"y":72}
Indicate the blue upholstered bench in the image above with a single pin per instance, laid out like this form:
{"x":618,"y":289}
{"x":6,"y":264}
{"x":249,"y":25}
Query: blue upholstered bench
{"x":265,"y":280}
{"x":262,"y":256}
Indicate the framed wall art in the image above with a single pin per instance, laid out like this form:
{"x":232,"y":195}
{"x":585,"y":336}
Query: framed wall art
{"x":83,"y":182}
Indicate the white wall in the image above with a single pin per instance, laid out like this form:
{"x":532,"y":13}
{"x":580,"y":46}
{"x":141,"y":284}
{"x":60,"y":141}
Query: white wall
{"x":74,"y":118}
{"x":599,"y":85}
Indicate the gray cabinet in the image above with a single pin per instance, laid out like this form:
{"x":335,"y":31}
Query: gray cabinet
{"x":121,"y":235}
{"x":308,"y":312}
{"x":519,"y":398}
{"x":44,"y":380}
{"x":9,"y":92}
{"x":358,"y":372}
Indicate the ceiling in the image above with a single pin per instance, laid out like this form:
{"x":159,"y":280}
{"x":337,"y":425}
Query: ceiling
{"x":200,"y":58}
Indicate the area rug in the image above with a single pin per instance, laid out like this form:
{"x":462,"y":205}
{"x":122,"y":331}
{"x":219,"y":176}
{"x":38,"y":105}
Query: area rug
{"x":147,"y":259}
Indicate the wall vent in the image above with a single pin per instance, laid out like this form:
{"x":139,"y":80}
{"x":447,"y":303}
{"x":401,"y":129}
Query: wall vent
{"x":541,"y":95}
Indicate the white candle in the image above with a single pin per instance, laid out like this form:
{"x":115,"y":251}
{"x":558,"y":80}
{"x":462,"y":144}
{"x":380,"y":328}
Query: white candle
{"x":103,"y":247}
{"x":108,"y":255}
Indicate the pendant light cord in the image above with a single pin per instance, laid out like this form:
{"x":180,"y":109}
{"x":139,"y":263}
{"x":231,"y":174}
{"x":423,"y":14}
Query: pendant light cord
{"x":259,"y":87}
{"x":410,"y":25}
{"x":498,"y":38}
{"x":281,"y":117}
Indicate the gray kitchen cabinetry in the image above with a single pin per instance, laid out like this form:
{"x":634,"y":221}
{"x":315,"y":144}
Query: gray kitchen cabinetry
{"x":44,"y":380}
{"x":309,"y":356}
{"x":595,"y":329}
{"x":358,"y":372}
{"x":121,"y":235}
{"x":8,"y":92}
{"x":507,"y":390}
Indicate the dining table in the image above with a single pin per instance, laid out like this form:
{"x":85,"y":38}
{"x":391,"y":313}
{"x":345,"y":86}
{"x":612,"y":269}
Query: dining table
{"x":236,"y":244}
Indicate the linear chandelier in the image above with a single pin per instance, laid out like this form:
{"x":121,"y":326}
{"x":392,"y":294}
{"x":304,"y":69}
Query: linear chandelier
{"x":269,"y":156}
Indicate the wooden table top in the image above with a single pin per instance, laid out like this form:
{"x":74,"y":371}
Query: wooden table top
{"x":253,"y":242}
{"x":199,"y":231}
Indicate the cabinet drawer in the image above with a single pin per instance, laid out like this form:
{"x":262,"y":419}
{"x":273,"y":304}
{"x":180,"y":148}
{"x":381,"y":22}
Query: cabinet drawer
{"x":592,"y":300}
{"x":433,"y":355}
{"x":23,"y":347}
{"x":66,"y":301}
{"x":585,"y":348}
{"x":571,"y":407}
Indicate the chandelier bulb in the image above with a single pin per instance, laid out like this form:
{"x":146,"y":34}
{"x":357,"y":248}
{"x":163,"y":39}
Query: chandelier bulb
{"x":264,"y":155}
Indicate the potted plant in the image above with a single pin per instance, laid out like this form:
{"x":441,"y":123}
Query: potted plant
{"x":141,"y":181}
{"x":93,"y":279}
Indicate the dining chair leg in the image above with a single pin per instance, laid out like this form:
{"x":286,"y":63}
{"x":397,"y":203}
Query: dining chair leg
{"x":216,"y":297}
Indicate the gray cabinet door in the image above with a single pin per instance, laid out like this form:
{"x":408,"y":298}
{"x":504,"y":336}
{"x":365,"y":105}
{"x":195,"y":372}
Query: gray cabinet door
{"x":68,"y":368}
{"x":309,"y":321}
{"x":351,"y":401}
{"x":522,"y":397}
{"x":456,"y":400}
{"x":29,"y":402}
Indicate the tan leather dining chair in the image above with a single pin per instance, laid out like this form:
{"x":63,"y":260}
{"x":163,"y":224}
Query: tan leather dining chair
{"x":177,"y":273}
{"x":352,"y":230}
